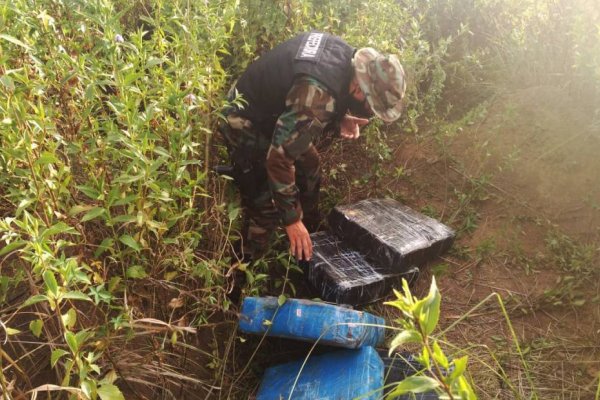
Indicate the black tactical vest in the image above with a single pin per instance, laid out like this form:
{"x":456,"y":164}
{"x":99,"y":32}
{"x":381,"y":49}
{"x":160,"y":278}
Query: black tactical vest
{"x":266,"y":82}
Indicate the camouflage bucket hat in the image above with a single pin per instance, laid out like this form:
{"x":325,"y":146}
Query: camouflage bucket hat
{"x":381,"y":78}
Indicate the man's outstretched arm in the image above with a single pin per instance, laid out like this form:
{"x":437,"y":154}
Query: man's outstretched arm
{"x":309,"y":108}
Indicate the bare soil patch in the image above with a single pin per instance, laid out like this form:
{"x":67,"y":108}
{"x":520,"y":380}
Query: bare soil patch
{"x":521,"y":186}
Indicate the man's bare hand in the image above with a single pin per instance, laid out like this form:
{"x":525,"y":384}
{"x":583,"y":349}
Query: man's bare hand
{"x":350,"y":126}
{"x":300,"y":243}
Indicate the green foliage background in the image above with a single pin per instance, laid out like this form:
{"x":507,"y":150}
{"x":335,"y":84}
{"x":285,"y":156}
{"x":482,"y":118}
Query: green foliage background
{"x":114,"y":235}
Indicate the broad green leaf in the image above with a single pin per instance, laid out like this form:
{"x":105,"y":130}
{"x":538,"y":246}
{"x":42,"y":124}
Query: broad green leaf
{"x":110,"y":377}
{"x":460,"y":365}
{"x":68,"y":368}
{"x":428,"y":309}
{"x":89,"y":388}
{"x":233,"y":213}
{"x":14,"y":40}
{"x":281,"y":299}
{"x":71,"y":342}
{"x":76,"y":295}
{"x":439,"y":356}
{"x":152,"y":61}
{"x":113,"y":283}
{"x":46,"y":158}
{"x":57,"y":355}
{"x":109,"y":391}
{"x":407,"y":295}
{"x":125,"y":178}
{"x":170,"y":275}
{"x":89,"y":192}
{"x":11,"y":331}
{"x":23,"y":204}
{"x":462,"y":389}
{"x":58,"y":228}
{"x":12,"y":247}
{"x":35,"y":299}
{"x":69,"y":318}
{"x":424,"y":358}
{"x":83,"y":336}
{"x":413,"y":384}
{"x":51,"y":283}
{"x":93,"y":213}
{"x":36,"y":326}
{"x":79,"y":209}
{"x":105,"y":245}
{"x":136,"y":272}
{"x":125,"y":200}
{"x":406,"y":336}
{"x":130,"y":242}
{"x":123,"y":218}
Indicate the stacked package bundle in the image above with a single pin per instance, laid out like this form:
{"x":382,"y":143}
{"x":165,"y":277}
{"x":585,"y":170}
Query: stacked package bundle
{"x":390,"y":234}
{"x":345,"y":374}
{"x":311,"y":321}
{"x":343,"y":276}
{"x":373,"y":245}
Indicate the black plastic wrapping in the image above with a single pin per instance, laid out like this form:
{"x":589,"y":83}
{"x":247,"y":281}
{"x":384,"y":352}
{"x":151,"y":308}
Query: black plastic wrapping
{"x":343,"y":276}
{"x":389,"y":234}
{"x":399,"y":367}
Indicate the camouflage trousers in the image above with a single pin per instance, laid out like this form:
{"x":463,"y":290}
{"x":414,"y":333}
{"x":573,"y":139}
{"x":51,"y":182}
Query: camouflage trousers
{"x":247,"y":148}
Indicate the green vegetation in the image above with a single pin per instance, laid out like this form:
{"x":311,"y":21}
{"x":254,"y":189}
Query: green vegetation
{"x":115,"y":235}
{"x":420,"y":318}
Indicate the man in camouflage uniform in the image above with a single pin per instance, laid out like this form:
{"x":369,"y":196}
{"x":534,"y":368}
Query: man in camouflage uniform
{"x":305,"y":87}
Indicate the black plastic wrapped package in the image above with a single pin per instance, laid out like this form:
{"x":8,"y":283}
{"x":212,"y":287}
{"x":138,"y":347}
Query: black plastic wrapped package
{"x":389,"y":234}
{"x":398,"y":367}
{"x":343,"y":275}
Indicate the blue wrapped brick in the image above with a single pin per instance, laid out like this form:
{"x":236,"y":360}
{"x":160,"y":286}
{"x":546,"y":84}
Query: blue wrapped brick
{"x":344,"y":374}
{"x":307,"y":320}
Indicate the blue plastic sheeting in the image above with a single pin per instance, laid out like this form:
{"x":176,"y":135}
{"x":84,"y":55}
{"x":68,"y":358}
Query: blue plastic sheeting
{"x":308,"y":320}
{"x":341,"y":375}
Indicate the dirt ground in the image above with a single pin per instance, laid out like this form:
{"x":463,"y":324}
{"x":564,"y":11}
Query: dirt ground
{"x":519,"y":183}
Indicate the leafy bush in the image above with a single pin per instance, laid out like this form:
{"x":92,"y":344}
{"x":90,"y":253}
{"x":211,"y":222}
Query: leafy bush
{"x":104,"y":159}
{"x":419,"y":318}
{"x":115,"y":237}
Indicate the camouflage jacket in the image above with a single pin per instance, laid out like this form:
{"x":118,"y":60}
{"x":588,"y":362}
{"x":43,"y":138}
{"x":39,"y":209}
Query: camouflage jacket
{"x":309,"y":113}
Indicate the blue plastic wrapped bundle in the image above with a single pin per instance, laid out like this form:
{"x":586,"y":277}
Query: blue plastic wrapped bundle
{"x":307,"y":320}
{"x":345,"y":374}
{"x":390,"y":234}
{"x":343,"y":275}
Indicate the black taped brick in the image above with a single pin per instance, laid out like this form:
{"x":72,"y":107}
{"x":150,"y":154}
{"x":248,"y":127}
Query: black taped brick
{"x":389,"y":234}
{"x":343,"y":276}
{"x":398,"y":367}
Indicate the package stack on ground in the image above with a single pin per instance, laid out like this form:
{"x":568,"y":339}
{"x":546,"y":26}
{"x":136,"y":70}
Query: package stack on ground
{"x":356,"y":372}
{"x":372,"y":245}
{"x":311,"y":321}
